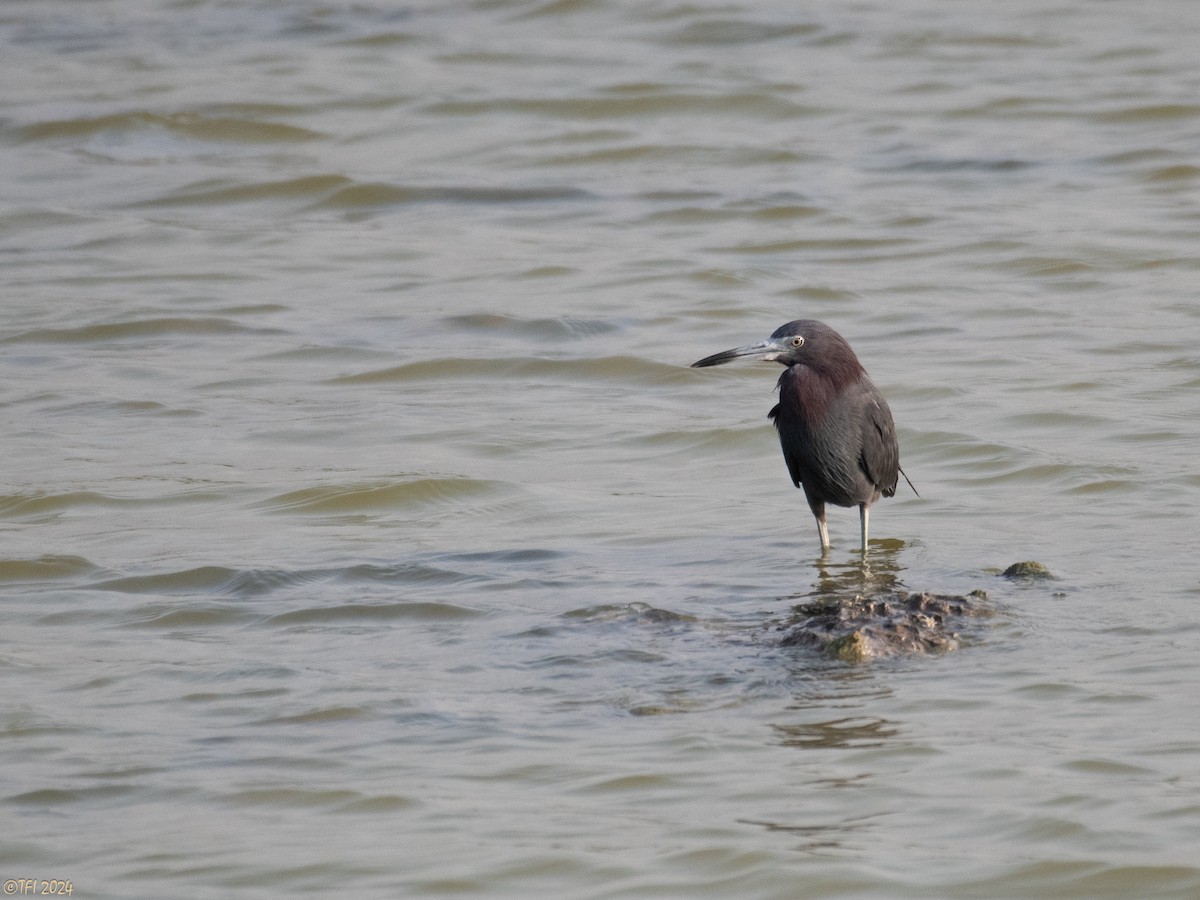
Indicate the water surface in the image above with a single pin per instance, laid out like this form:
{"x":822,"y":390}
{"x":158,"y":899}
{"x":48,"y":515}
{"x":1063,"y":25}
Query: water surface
{"x":364,"y":530}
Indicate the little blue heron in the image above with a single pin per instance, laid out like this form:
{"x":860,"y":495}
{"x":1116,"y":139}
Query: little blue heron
{"x":835,"y":428}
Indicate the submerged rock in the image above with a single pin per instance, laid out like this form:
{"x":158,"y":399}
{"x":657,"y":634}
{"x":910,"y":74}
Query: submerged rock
{"x":884,"y":624}
{"x":1030,"y":569}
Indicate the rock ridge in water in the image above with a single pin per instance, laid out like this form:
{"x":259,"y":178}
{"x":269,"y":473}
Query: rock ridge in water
{"x":885,"y":624}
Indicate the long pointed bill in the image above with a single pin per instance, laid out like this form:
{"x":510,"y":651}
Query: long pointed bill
{"x":768,"y":350}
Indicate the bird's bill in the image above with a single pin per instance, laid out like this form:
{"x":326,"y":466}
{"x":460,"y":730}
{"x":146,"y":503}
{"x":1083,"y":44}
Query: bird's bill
{"x":768,"y":350}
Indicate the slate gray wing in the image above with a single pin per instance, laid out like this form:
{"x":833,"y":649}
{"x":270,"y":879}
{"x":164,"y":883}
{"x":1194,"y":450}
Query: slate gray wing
{"x":880,"y":456}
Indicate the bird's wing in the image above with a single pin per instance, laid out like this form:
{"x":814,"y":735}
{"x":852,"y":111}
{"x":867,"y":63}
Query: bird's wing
{"x":788,"y":457}
{"x":880,"y":457}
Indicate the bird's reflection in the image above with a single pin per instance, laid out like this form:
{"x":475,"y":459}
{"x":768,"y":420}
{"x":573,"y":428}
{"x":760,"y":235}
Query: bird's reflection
{"x":842,"y":733}
{"x":825,"y":837}
{"x":867,"y":574}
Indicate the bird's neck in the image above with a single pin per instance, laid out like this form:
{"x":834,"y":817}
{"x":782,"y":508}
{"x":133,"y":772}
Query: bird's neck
{"x":807,"y":393}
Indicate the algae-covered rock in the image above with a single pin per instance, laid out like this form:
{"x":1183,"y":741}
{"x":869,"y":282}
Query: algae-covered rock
{"x":886,"y":624}
{"x":1029,"y":570}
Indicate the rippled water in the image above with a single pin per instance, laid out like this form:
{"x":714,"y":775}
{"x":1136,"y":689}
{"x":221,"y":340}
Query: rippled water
{"x":365,"y":532}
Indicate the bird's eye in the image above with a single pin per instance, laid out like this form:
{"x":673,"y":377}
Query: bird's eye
{"x":797,"y":341}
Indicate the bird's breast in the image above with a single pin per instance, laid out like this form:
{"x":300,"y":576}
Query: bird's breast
{"x":805,"y":397}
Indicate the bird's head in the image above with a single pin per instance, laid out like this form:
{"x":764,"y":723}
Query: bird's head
{"x":802,"y":342}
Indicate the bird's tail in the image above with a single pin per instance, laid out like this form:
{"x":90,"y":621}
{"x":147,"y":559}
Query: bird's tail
{"x":910,"y":484}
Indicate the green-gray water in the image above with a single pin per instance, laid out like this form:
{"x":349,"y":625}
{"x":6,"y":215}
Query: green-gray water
{"x":364,"y":533}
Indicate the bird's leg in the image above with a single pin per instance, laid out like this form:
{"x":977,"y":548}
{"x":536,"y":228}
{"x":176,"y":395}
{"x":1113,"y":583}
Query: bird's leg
{"x":864,"y":513}
{"x":822,"y":529}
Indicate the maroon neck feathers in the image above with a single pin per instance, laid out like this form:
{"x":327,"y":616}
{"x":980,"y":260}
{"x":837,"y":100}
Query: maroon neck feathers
{"x":806,"y":392}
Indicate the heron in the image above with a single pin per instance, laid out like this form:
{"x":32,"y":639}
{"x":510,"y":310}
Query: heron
{"x":835,"y":428}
